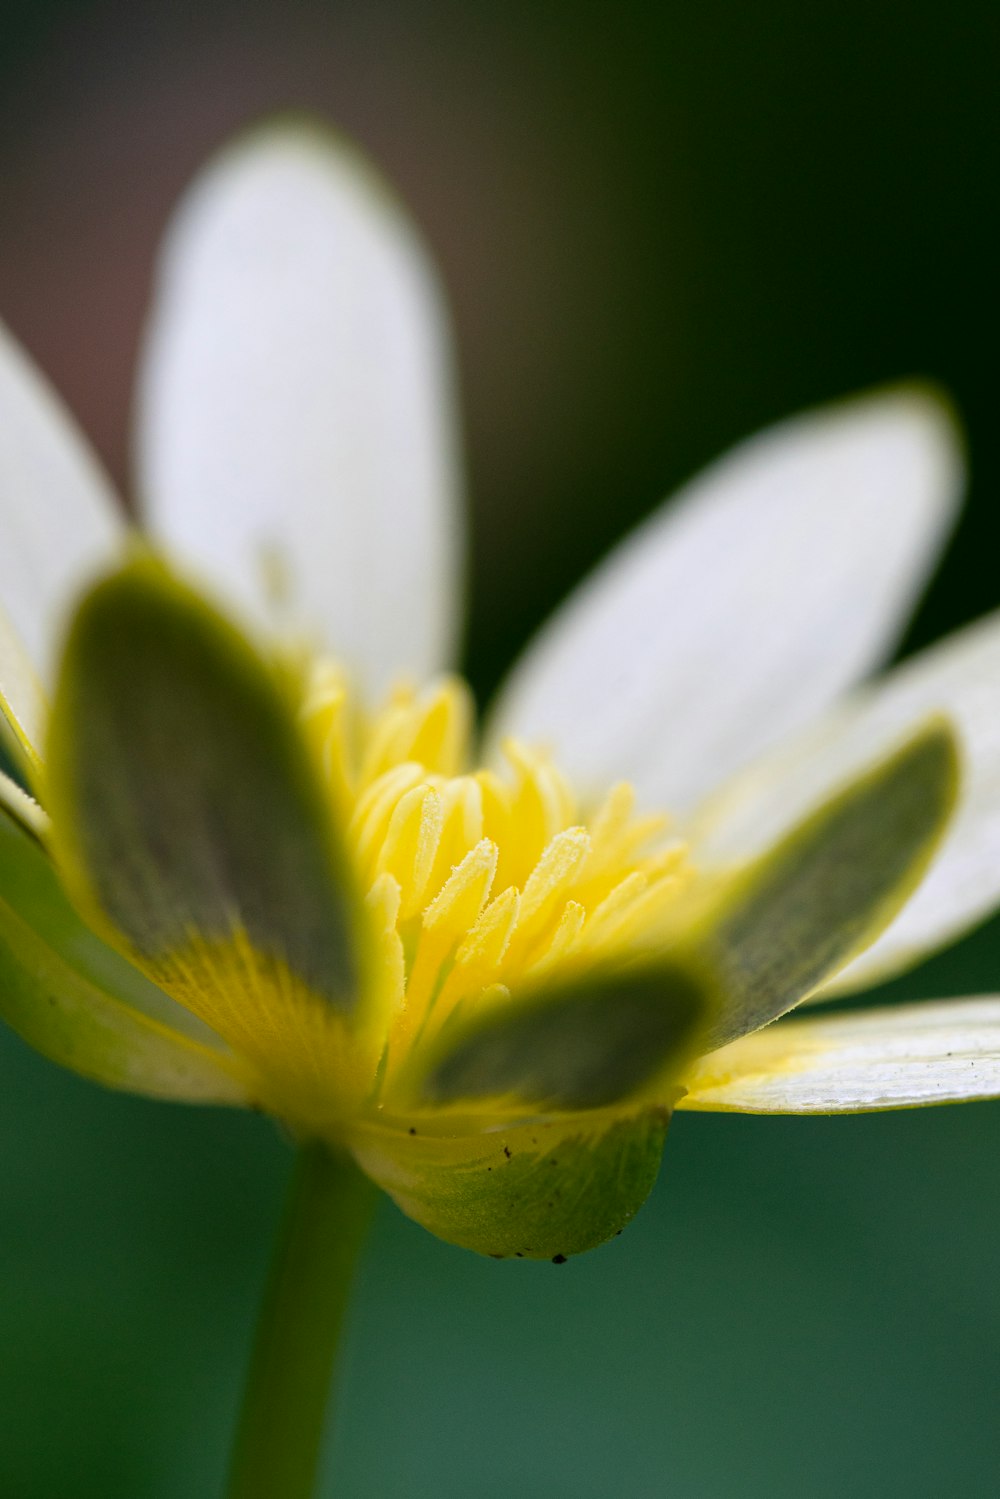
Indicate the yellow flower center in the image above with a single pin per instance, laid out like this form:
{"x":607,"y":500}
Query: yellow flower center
{"x":477,"y":880}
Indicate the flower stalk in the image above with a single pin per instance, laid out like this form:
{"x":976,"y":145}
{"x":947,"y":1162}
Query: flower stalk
{"x":280,"y":1436}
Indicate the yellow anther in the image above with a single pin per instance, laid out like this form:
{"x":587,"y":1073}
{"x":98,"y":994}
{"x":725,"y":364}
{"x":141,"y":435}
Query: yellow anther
{"x":667,"y":860}
{"x":441,"y":736}
{"x":552,"y":873}
{"x":564,"y":938}
{"x":614,"y":814}
{"x":496,"y":797}
{"x":389,"y":966}
{"x":477,"y":958}
{"x":327,"y":718}
{"x":374,"y":810}
{"x":463,"y":895}
{"x":608,"y":915}
{"x":540,"y":805}
{"x":485,"y":944}
{"x":461,"y":828}
{"x":411,"y":844}
{"x":389,"y":740}
{"x":432,"y":727}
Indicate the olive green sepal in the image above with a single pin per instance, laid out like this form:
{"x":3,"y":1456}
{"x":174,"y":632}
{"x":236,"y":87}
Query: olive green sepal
{"x":824,"y":892}
{"x":83,"y":1006}
{"x":583,"y":1043}
{"x":189,"y":820}
{"x":540,"y":1191}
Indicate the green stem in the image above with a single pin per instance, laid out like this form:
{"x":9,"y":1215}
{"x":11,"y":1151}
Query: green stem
{"x":279,"y":1441}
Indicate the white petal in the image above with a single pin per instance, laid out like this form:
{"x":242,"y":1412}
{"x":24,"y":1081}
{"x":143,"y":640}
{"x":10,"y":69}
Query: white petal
{"x":296,"y":437}
{"x":774,"y":581}
{"x":901,"y":1057}
{"x":960,"y":677}
{"x":59,"y":521}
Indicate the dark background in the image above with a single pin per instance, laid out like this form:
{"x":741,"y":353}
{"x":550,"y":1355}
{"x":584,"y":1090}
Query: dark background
{"x":661,"y":227}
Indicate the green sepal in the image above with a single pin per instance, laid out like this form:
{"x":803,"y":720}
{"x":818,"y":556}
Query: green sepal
{"x":584,"y":1042}
{"x":540,"y":1190}
{"x":187,"y":813}
{"x":84,"y":1006}
{"x":800,"y":913}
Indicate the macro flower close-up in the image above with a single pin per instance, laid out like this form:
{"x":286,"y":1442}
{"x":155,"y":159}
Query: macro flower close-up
{"x":257,"y":850}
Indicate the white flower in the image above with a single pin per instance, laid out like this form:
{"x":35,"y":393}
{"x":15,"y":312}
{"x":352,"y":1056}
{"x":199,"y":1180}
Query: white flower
{"x":460,"y":976}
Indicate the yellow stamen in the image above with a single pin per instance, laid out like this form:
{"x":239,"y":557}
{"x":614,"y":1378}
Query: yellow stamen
{"x":481,"y":879}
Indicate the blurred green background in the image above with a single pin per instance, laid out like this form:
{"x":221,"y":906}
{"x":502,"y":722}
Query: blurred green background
{"x":661,"y":226}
